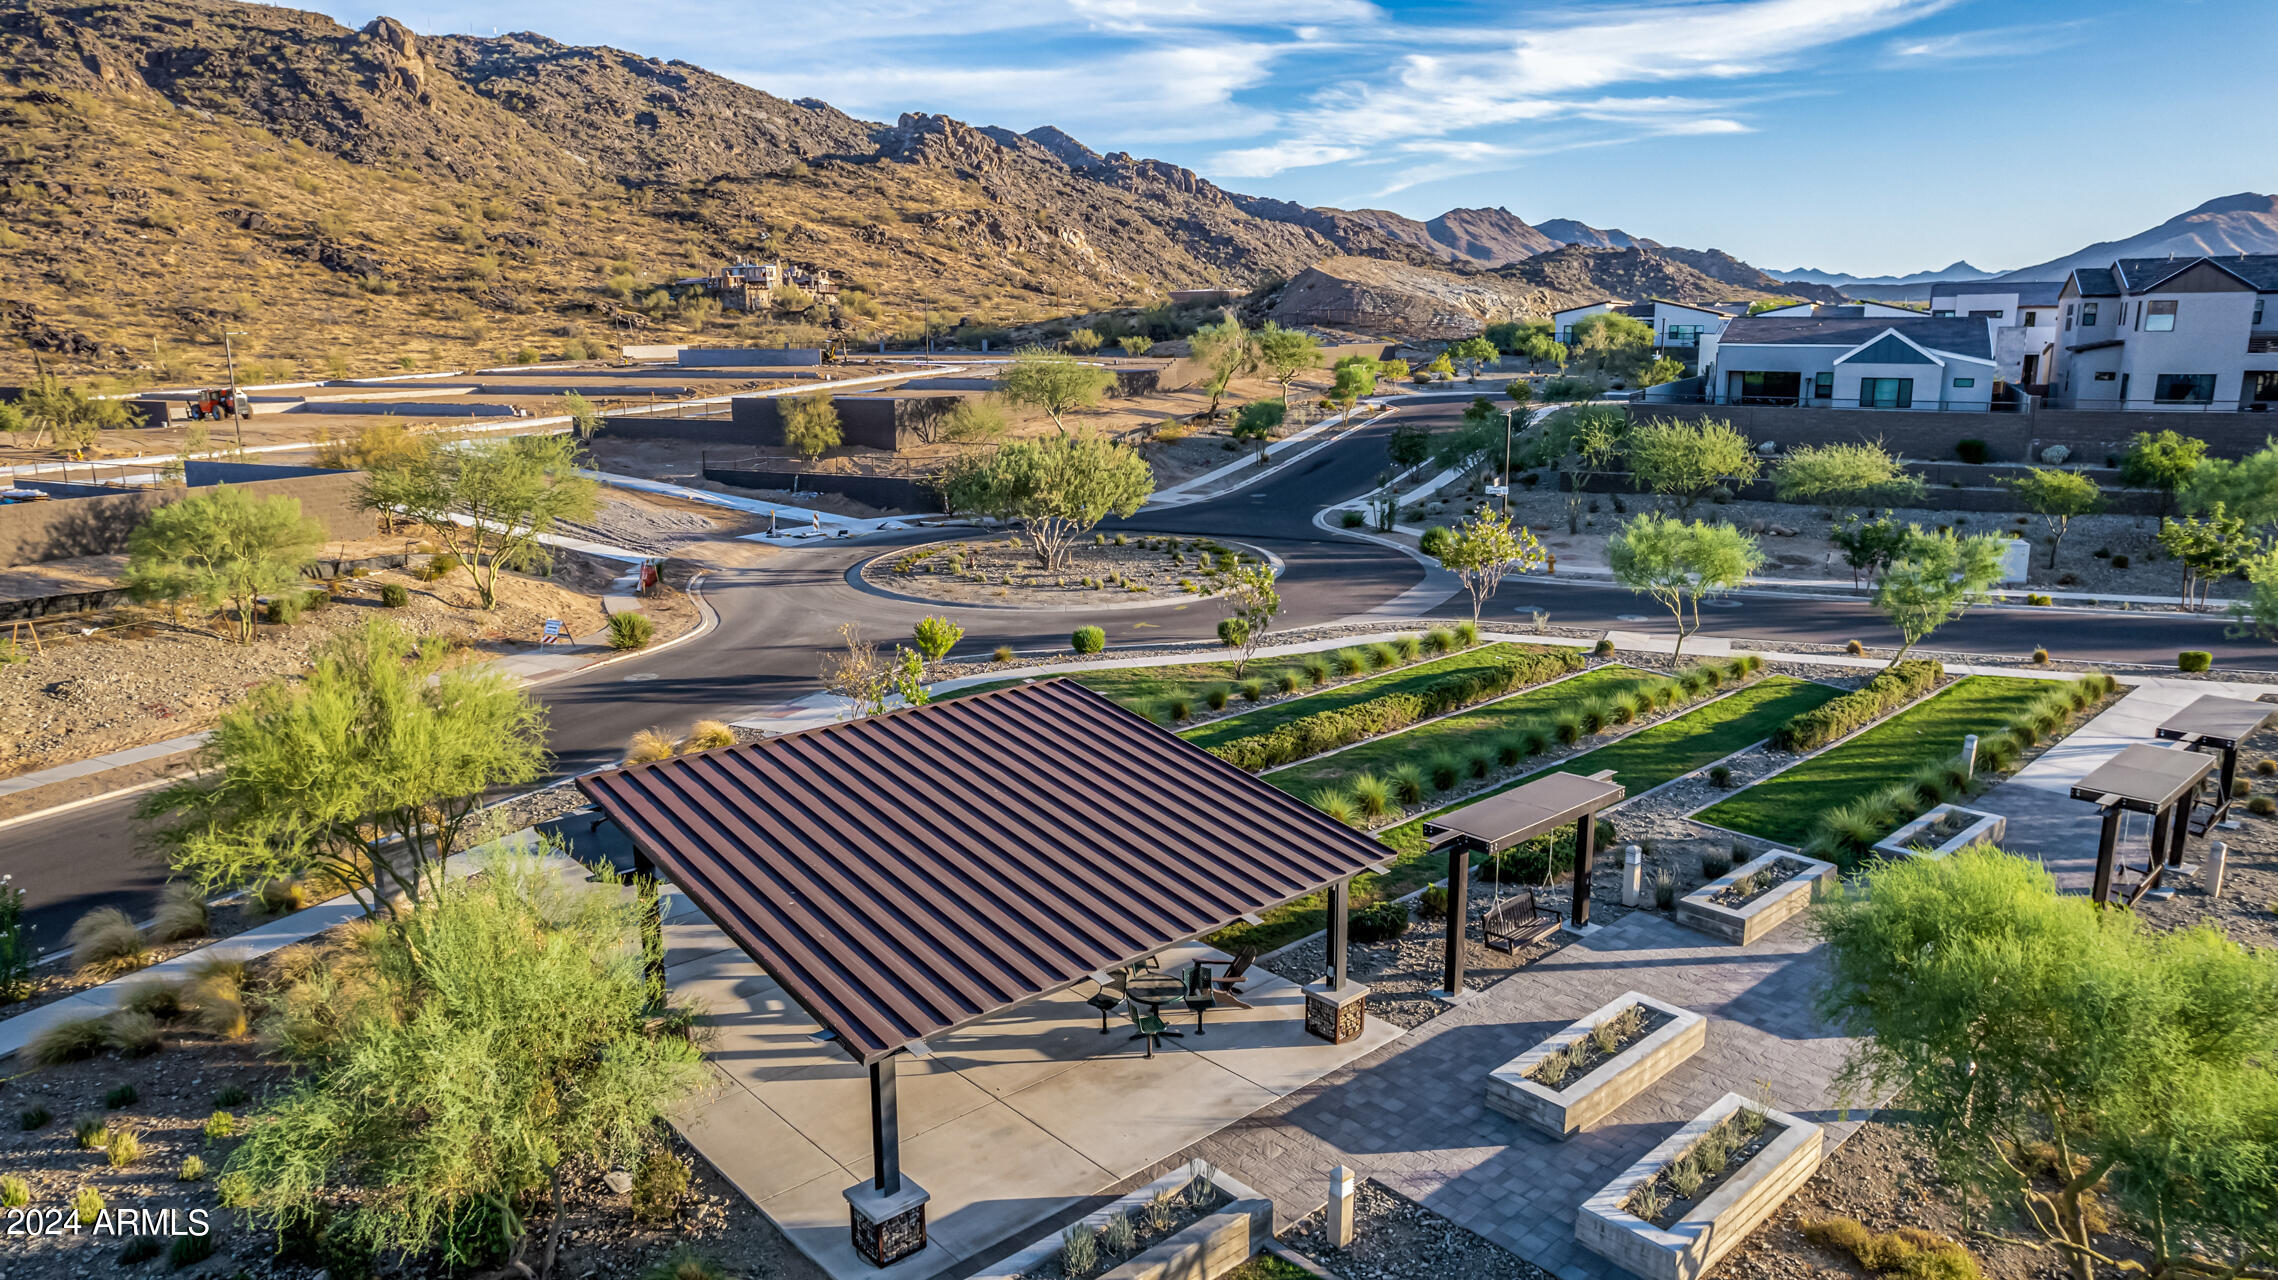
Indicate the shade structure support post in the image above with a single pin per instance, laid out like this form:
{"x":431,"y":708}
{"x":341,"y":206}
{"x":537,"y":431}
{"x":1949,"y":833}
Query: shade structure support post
{"x":1585,"y":854}
{"x":1458,"y":915}
{"x":887,"y":1213}
{"x":2230,"y":778}
{"x":652,"y":928}
{"x":2179,"y":830}
{"x":1336,"y":1008}
{"x":2107,"y":852}
{"x":2160,"y":823}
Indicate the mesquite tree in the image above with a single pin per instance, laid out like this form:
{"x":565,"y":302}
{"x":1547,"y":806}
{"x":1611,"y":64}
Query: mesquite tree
{"x":1056,"y":490}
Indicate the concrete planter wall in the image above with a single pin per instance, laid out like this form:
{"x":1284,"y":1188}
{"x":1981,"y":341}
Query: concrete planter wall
{"x":1584,"y":1102}
{"x":1688,"y":1247}
{"x":1900,"y":843}
{"x":1743,"y":925}
{"x":1204,"y":1249}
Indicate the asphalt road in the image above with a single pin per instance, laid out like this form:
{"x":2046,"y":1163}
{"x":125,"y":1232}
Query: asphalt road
{"x":776,"y":619}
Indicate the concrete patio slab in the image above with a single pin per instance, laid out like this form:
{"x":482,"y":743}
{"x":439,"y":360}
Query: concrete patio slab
{"x":757,"y":1149}
{"x":1123,"y":1111}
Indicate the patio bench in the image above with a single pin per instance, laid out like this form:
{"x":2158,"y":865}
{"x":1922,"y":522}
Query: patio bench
{"x":1518,"y":921}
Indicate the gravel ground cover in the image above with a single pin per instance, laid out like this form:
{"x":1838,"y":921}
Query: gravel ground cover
{"x":1394,"y":1238}
{"x":1785,"y":808}
{"x":996,"y":570}
{"x":1402,"y":974}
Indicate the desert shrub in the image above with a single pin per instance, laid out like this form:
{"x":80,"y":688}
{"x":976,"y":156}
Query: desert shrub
{"x":1088,"y":640}
{"x":1603,"y":649}
{"x":394,"y":595}
{"x":87,"y":1206}
{"x":1908,"y":1253}
{"x":1973,"y":452}
{"x":1854,"y":648}
{"x":123,"y":1146}
{"x":1352,"y":519}
{"x":2266,"y":767}
{"x":1664,"y":889}
{"x":1831,"y":720}
{"x":284,"y":611}
{"x":1381,"y":922}
{"x":648,"y":746}
{"x":1324,"y":730}
{"x":193,"y":1169}
{"x":1003,"y":654}
{"x":181,"y":914}
{"x":2119,"y":562}
{"x":709,"y":735}
{"x":630,"y":630}
{"x":90,"y":1130}
{"x":125,"y":1095}
{"x":1434,"y":542}
{"x":67,"y":1041}
{"x":33,"y":1117}
{"x":2262,"y":806}
{"x":1431,"y":904}
{"x":15,"y":1193}
{"x":2194,"y":660}
{"x":189,"y":1251}
{"x":660,"y":1184}
{"x":1720,"y":775}
{"x":1715,"y":863}
{"x":105,"y":941}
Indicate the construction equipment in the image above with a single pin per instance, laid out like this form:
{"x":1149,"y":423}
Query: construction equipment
{"x":834,"y":351}
{"x":215,"y":404}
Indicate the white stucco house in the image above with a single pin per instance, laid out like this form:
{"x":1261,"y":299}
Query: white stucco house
{"x":1677,"y":326}
{"x":2024,"y":316}
{"x":1868,"y":362}
{"x":2185,"y":334}
{"x":1842,"y":311}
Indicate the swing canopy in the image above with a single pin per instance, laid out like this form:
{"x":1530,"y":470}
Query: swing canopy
{"x":1516,"y":816}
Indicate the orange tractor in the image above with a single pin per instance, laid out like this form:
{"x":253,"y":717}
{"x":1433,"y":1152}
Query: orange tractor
{"x":215,"y":405}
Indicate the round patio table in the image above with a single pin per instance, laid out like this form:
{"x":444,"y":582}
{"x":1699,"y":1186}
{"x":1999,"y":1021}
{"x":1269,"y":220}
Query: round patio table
{"x":1155,"y":990}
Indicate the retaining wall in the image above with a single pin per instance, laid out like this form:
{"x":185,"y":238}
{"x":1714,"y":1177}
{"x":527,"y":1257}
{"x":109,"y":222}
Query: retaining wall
{"x":890,"y":421}
{"x":741,"y":357}
{"x":32,"y":532}
{"x":887,"y":493}
{"x":2009,"y":437}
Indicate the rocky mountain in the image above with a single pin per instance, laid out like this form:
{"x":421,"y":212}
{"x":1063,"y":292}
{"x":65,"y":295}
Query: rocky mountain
{"x":1568,"y":231}
{"x":2243,"y":223}
{"x":1958,"y":271}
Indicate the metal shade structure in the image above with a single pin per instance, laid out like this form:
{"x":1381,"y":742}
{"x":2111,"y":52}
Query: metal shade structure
{"x":905,"y":874}
{"x":2144,"y":779}
{"x":1510,"y":818}
{"x":2217,"y":724}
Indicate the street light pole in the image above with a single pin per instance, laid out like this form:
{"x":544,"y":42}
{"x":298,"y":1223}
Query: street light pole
{"x":1507,"y":462}
{"x":236,"y":406}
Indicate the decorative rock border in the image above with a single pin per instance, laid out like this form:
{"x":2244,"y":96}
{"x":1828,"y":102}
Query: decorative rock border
{"x":1204,"y":1249}
{"x":1900,"y":843}
{"x":1744,"y":925}
{"x":858,"y":577}
{"x":1563,"y":1113}
{"x":1695,"y":1242}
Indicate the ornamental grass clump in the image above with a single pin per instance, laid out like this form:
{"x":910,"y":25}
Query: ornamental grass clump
{"x":1288,"y":682}
{"x":181,"y":914}
{"x":1253,"y":689}
{"x":1439,"y":640}
{"x":1216,"y":698}
{"x":105,"y":942}
{"x":1372,"y":794}
{"x":1445,"y":772}
{"x":1509,"y":750}
{"x":1349,"y":662}
{"x":1554,"y":1067}
{"x":1664,"y":889}
{"x":1408,"y":783}
{"x":1382,"y":655}
{"x":1316,"y":668}
{"x":1336,"y":805}
{"x":1408,"y":647}
{"x":15,"y":1193}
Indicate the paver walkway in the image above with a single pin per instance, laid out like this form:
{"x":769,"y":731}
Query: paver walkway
{"x":1414,"y":1115}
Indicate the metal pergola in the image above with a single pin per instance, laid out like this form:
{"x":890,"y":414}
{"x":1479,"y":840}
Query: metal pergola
{"x":2161,"y":781}
{"x":2217,"y":725}
{"x":1511,"y":818}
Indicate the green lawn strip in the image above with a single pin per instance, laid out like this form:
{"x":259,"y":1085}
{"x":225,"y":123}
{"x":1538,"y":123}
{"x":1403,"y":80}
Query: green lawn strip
{"x":1787,"y":806}
{"x":1398,"y":680}
{"x":1146,"y":689}
{"x":1458,"y":732}
{"x":1644,"y":760}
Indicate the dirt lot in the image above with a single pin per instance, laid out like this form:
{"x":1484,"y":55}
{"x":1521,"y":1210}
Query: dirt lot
{"x":143,"y":677}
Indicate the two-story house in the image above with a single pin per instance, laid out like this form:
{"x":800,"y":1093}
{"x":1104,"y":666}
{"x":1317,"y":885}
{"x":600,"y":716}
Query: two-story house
{"x":2194,"y":333}
{"x":2024,"y":316}
{"x":1677,"y":326}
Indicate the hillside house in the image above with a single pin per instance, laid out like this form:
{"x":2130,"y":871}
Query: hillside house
{"x":2024,"y":316}
{"x":2190,"y":334}
{"x":1677,"y":326}
{"x":751,"y":286}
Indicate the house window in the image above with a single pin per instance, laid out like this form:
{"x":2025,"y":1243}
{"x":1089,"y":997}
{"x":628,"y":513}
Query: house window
{"x":2032,"y":319}
{"x":1965,"y":382}
{"x":1823,"y":386}
{"x":1942,"y":315}
{"x":2258,"y":313}
{"x":2106,"y":376}
{"x":2087,"y":315}
{"x":2159,"y":316}
{"x":2068,"y":317}
{"x":2265,"y":387}
{"x":2185,"y":388}
{"x":1886,"y":393}
{"x":1987,"y":315}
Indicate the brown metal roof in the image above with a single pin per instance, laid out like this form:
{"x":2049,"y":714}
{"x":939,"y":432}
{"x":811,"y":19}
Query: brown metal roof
{"x":905,"y":874}
{"x":2145,"y":778}
{"x":1522,"y":813}
{"x":2217,"y":721}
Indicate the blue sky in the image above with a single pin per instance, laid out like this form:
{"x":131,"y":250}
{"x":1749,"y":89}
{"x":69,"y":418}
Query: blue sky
{"x":1866,"y":136}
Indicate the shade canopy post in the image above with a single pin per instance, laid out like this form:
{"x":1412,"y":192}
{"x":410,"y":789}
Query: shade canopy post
{"x":1458,"y":914}
{"x":885,"y":1127}
{"x":2107,"y":852}
{"x":1340,"y":930}
{"x":1585,"y":851}
{"x":651,"y":900}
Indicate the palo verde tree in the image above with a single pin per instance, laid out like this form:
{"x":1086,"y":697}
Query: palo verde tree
{"x":1226,"y":351}
{"x":2257,"y":615}
{"x":1484,"y":548}
{"x":486,"y":501}
{"x":2057,"y":496}
{"x":810,"y":424}
{"x":2056,"y":1052}
{"x":1056,"y":489}
{"x":1053,"y":383}
{"x":1256,"y":422}
{"x":1476,"y":439}
{"x":2164,"y":461}
{"x":1844,"y":477}
{"x":584,"y":418}
{"x":1682,"y":461}
{"x":1473,"y":352}
{"x":1251,"y":603}
{"x":1409,"y":445}
{"x":1285,"y":353}
{"x":1660,"y":370}
{"x":1583,"y":442}
{"x":70,"y":415}
{"x":222,"y":547}
{"x":1611,"y":344}
{"x":1934,"y":579}
{"x":2247,"y":487}
{"x":380,"y":747}
{"x":475,"y":1061}
{"x":935,"y":637}
{"x":1868,"y":546}
{"x":1679,"y":564}
{"x":2209,"y":547}
{"x":1352,"y":378}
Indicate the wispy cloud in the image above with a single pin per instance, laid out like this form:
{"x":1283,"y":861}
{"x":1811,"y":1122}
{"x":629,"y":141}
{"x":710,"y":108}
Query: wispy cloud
{"x":1988,"y":42}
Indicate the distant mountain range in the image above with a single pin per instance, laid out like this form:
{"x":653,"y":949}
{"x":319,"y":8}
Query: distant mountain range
{"x":1958,"y":271}
{"x":2242,"y":223}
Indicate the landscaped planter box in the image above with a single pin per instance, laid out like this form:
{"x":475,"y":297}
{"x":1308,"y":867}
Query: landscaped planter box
{"x":1204,"y":1249}
{"x":1592,"y":1094}
{"x":1924,"y":831}
{"x":1713,"y":1225}
{"x":1711,"y":908}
